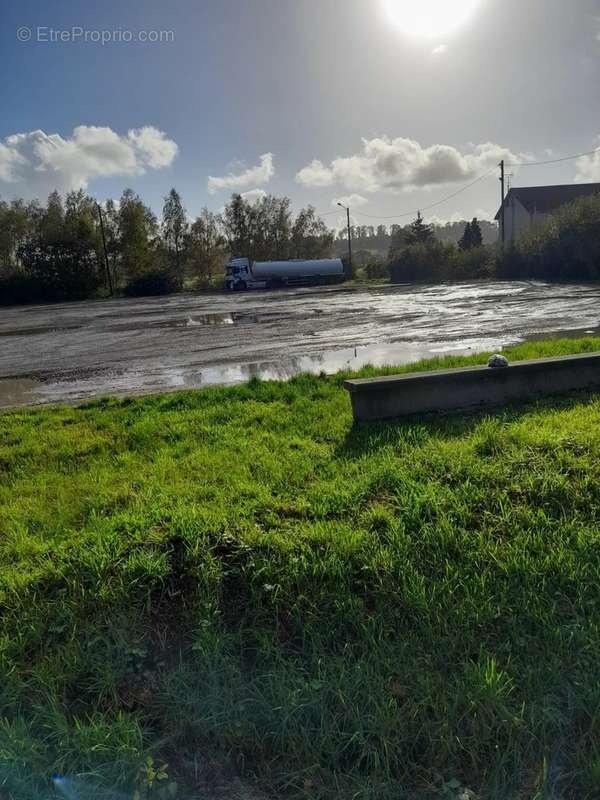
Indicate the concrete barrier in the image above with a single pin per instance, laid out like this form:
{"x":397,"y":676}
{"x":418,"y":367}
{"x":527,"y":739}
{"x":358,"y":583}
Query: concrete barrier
{"x":473,"y":387}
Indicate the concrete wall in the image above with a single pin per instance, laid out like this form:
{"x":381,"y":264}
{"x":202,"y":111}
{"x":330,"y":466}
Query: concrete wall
{"x":474,"y":387}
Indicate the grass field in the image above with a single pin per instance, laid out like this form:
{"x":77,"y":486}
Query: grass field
{"x":240,"y":588}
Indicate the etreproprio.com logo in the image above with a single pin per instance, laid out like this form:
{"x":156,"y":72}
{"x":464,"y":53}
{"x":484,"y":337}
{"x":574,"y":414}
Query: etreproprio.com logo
{"x":77,"y":34}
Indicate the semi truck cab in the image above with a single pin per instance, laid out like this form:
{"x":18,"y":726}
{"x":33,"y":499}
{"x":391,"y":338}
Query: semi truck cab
{"x":238,"y":276}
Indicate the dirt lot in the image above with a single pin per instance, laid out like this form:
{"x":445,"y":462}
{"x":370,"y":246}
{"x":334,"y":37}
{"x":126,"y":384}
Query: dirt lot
{"x":70,"y":352}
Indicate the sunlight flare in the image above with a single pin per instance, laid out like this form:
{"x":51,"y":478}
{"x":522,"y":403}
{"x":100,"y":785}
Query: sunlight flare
{"x":429,"y":18}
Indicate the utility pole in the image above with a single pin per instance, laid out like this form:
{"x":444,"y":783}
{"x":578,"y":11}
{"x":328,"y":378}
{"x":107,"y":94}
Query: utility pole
{"x":349,"y":239}
{"x":502,"y":215}
{"x":108,"y":275}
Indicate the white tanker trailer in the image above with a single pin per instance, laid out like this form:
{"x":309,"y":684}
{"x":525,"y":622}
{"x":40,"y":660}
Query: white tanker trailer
{"x":241,"y":273}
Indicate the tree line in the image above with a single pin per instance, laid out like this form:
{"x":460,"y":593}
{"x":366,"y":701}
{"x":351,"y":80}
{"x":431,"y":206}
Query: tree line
{"x":73,"y":248}
{"x":370,"y":240}
{"x":565,"y":247}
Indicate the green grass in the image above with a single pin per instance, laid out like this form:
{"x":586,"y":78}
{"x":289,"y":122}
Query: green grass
{"x":242,"y":582}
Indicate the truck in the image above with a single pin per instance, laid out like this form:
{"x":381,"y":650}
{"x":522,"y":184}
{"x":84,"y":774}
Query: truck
{"x":242,"y":274}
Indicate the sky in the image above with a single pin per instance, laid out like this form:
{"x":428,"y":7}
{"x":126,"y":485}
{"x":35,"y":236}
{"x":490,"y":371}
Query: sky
{"x":388,"y":106}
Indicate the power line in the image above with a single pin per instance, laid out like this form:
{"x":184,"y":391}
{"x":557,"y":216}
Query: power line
{"x":431,"y":205}
{"x":468,"y":186}
{"x":552,"y":160}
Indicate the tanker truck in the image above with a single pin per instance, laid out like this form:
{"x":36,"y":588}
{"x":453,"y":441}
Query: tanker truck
{"x":242,"y":274}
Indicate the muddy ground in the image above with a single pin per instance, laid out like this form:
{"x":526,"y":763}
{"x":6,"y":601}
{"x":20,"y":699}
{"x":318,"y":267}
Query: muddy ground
{"x":75,"y":351}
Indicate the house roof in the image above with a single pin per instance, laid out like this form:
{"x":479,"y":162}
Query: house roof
{"x":545,"y":199}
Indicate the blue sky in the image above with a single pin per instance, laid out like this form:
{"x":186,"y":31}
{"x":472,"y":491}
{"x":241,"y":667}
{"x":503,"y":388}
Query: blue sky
{"x":348,"y":104}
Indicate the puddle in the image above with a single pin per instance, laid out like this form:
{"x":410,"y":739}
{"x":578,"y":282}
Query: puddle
{"x":328,"y":362}
{"x":82,"y":387}
{"x":83,"y":350}
{"x":210,"y":319}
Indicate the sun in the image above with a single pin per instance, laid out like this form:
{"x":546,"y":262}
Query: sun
{"x":429,"y":18}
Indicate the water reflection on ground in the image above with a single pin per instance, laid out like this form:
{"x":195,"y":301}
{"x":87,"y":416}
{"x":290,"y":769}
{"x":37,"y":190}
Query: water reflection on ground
{"x":72,"y":352}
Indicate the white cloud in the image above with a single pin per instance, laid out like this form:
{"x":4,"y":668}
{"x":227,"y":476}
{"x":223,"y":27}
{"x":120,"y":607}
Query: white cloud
{"x":260,"y":174}
{"x":10,"y":161}
{"x":403,"y":164}
{"x":153,"y":146}
{"x":588,"y":167}
{"x":481,"y":214}
{"x":440,"y":50}
{"x":351,"y":200}
{"x":315,"y":174}
{"x":35,"y":163}
{"x":253,"y":195}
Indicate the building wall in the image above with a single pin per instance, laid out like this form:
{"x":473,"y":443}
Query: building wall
{"x":517,"y":221}
{"x":539,"y":220}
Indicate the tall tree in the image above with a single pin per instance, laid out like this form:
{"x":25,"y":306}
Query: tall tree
{"x":466,"y":240}
{"x":472,"y":236}
{"x":137,"y":230}
{"x":61,"y":256}
{"x":311,"y":238}
{"x":476,"y":234}
{"x":206,"y":247}
{"x":273,"y":219}
{"x":52,"y":219}
{"x":237,"y":224}
{"x":418,"y":232}
{"x":81,"y":224}
{"x":16,"y":223}
{"x":397,"y":242}
{"x":174,"y":229}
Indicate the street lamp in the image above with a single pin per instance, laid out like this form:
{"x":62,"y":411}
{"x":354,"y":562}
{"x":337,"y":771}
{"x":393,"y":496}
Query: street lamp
{"x":349,"y":239}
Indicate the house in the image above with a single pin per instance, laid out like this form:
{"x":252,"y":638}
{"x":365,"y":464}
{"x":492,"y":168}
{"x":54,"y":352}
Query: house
{"x":526,"y":207}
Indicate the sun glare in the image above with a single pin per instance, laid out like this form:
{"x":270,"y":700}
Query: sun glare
{"x":429,"y":18}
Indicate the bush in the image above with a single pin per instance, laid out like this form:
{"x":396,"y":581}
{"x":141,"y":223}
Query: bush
{"x":18,"y":288}
{"x":438,"y":261}
{"x":566,"y":248}
{"x":61,"y":270}
{"x":419,"y":263}
{"x":473,"y":264}
{"x":153,"y":283}
{"x":377,"y":269}
{"x":510,"y":264}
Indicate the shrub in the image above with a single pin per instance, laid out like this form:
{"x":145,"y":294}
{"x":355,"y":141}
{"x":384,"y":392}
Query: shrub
{"x":439,"y":261}
{"x":422,"y":262}
{"x":153,"y":283}
{"x":510,"y":264}
{"x":18,"y":288}
{"x":473,"y":264}
{"x":61,"y":270}
{"x":376,"y":269}
{"x":566,"y":247}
